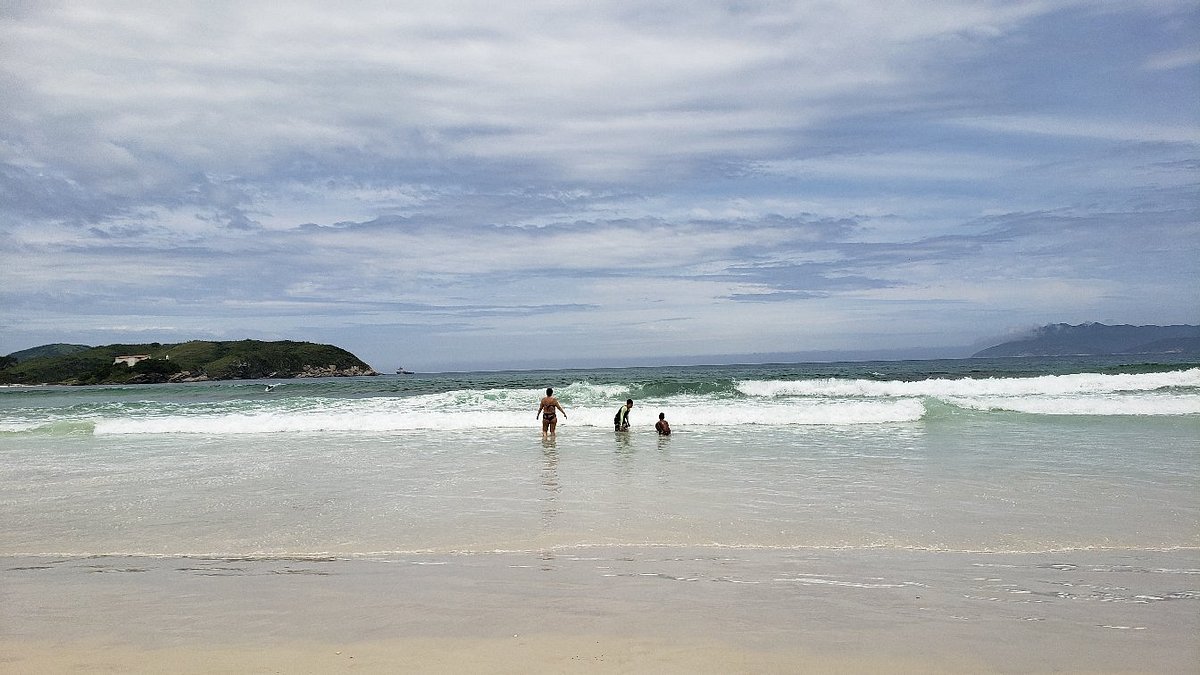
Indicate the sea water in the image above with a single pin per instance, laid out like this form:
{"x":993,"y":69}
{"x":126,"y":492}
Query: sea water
{"x":1013,"y":455}
{"x":1026,"y":515}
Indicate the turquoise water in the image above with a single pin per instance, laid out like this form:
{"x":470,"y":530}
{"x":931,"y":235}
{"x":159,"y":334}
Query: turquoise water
{"x":1014,"y":456}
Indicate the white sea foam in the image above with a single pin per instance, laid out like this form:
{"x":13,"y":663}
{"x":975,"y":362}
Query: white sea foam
{"x":761,"y":402}
{"x":1113,"y":404}
{"x":1083,"y":383}
{"x":819,"y":412}
{"x":391,"y":415}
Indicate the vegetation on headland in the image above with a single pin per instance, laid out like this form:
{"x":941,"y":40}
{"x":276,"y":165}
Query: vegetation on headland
{"x":185,"y":362}
{"x":56,"y":349}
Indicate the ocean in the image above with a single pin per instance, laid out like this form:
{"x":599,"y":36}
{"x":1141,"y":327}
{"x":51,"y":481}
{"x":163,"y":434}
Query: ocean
{"x":1061,"y":492}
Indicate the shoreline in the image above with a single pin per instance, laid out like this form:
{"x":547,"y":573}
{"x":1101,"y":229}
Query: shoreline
{"x":603,"y":609}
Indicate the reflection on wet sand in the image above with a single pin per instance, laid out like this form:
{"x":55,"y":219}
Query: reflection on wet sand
{"x":549,"y":501}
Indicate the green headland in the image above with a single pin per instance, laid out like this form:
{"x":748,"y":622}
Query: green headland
{"x":193,"y":361}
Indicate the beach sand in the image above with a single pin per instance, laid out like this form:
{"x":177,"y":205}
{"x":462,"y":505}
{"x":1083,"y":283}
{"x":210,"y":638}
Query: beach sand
{"x":606,"y":610}
{"x":521,"y":654}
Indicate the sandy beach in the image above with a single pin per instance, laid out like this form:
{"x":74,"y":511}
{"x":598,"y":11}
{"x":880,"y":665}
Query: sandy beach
{"x":629,"y":610}
{"x":527,"y":654}
{"x":521,"y":654}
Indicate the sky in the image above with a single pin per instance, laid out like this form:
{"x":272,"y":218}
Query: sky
{"x":461,"y":185}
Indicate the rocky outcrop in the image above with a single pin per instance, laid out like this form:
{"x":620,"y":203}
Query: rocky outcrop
{"x":188,"y":376}
{"x":330,"y":371}
{"x":307,"y":371}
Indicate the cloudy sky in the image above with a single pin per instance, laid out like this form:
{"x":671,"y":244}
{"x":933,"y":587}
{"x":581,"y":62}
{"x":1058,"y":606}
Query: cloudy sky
{"x":463,"y":184}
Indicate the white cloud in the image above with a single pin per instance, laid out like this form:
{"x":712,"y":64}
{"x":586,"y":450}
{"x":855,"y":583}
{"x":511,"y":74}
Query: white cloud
{"x":911,"y":165}
{"x":1080,"y":127}
{"x":1178,"y":58}
{"x":618,"y":170}
{"x":589,"y":87}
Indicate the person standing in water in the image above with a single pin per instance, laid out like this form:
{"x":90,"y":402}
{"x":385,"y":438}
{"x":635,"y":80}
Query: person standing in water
{"x":621,"y":420}
{"x":661,"y":425}
{"x":547,"y":411}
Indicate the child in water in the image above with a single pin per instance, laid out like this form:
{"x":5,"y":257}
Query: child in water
{"x":661,"y":425}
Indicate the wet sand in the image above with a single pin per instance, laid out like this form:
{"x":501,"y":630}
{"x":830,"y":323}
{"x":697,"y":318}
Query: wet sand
{"x":528,"y":654}
{"x":606,"y":610}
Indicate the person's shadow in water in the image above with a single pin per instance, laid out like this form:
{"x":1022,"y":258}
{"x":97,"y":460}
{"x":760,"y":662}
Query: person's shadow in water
{"x":549,"y":480}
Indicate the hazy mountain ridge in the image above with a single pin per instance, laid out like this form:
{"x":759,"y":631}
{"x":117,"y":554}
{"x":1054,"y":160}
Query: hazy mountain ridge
{"x":1097,"y":339}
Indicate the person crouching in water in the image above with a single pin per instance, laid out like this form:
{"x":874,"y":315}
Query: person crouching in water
{"x":548,"y":414}
{"x":661,"y":425}
{"x":621,"y":420}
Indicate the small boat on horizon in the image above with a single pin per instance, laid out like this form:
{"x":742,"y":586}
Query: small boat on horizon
{"x":402,"y":371}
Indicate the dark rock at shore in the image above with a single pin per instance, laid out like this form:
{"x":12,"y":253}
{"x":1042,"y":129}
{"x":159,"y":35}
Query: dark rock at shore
{"x":332,"y":371}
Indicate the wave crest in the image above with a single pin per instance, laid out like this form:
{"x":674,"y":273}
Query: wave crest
{"x":1054,"y":385}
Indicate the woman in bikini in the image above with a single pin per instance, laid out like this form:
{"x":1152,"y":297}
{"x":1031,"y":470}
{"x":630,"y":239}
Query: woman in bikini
{"x":548,"y":414}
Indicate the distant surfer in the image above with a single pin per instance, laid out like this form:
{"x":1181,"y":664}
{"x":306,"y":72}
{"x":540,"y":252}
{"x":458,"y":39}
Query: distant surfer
{"x":548,"y":411}
{"x":621,"y":419}
{"x":661,"y":425}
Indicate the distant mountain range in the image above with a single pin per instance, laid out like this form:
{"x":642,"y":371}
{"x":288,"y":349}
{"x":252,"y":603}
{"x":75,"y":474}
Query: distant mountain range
{"x":1096,"y":339}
